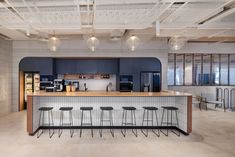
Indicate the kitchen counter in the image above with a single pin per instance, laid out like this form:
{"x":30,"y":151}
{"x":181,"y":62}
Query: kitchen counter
{"x":96,"y":99}
{"x":111,"y":94}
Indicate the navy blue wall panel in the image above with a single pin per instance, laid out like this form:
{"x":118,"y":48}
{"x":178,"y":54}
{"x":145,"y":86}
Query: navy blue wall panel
{"x":43,"y":65}
{"x":133,"y":66}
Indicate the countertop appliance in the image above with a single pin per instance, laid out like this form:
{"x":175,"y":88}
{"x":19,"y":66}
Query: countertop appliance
{"x":150,"y":81}
{"x":59,"y":85}
{"x":126,"y":83}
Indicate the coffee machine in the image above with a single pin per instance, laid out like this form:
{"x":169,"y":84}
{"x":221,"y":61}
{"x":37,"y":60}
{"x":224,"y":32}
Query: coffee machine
{"x":59,"y":85}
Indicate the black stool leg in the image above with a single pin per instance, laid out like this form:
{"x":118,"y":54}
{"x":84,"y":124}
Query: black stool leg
{"x":111,"y":122}
{"x":71,"y":123}
{"x":91,"y":124}
{"x":143,"y":123}
{"x":135,"y":133}
{"x":101,"y":122}
{"x":158,"y":134}
{"x":81,"y":125}
{"x":124,"y":123}
{"x":38,"y":133}
{"x":177,"y":123}
{"x":61,"y":123}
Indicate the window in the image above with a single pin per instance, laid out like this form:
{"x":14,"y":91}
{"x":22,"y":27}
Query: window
{"x":171,"y":69}
{"x":232,"y":70}
{"x":206,"y":70}
{"x":201,"y":69}
{"x":179,"y":70}
{"x":224,"y":70}
{"x":197,"y":70}
{"x":188,"y":69}
{"x":215,"y":71}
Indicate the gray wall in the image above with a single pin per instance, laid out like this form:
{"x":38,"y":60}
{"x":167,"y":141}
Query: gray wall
{"x":5,"y":76}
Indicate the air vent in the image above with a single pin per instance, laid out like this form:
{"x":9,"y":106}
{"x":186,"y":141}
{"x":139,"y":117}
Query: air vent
{"x":178,"y":3}
{"x":4,"y":37}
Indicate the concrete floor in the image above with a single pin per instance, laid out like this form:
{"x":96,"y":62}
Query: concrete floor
{"x":213,"y":136}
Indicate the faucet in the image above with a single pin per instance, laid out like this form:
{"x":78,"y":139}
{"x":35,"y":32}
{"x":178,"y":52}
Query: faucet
{"x":107,"y":87}
{"x":85,"y":87}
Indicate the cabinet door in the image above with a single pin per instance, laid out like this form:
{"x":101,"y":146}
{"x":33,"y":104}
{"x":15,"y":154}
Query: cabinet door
{"x":86,"y":66}
{"x":109,"y":66}
{"x":66,"y":66}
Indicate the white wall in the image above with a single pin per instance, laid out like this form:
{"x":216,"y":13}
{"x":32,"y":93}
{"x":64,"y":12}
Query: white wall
{"x":5,"y":76}
{"x":98,"y":84}
{"x":78,"y":48}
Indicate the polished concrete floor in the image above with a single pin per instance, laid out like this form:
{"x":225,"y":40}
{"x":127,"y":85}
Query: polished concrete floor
{"x":213,"y":136}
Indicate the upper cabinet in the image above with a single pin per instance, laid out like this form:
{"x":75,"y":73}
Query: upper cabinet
{"x":39,"y":64}
{"x":86,"y":66}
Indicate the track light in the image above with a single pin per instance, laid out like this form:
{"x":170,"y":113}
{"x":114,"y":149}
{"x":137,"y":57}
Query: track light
{"x":157,"y":28}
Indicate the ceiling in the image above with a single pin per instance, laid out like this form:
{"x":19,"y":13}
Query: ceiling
{"x":197,"y":20}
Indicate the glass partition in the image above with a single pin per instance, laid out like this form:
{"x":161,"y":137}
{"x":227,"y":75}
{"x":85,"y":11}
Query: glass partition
{"x":224,"y":70}
{"x":171,"y":69}
{"x":179,"y":70}
{"x":215,"y":71}
{"x":232,"y":70}
{"x":188,"y":69}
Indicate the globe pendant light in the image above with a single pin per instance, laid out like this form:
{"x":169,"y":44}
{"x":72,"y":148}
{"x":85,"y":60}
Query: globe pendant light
{"x":92,"y":43}
{"x":177,"y":43}
{"x":53,"y":43}
{"x":133,"y":42}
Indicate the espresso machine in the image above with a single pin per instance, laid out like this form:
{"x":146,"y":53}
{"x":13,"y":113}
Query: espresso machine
{"x":59,"y":85}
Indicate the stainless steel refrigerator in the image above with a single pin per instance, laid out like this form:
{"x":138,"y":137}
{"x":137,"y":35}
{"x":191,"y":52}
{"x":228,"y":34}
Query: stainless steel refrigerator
{"x":150,"y":82}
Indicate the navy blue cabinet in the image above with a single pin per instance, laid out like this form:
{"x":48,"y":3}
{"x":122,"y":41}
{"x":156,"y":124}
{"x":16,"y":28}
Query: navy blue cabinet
{"x":86,"y":66}
{"x":107,"y":66}
{"x":65,"y":66}
{"x":39,"y":64}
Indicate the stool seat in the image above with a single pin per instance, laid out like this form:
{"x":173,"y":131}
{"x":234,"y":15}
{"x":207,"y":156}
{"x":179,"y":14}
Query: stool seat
{"x":106,"y":108}
{"x":128,"y":108}
{"x":150,"y":108}
{"x":86,"y":108}
{"x":66,"y":108}
{"x":45,"y":108}
{"x":170,"y":108}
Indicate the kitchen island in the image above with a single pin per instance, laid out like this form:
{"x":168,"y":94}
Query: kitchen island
{"x":115,"y":99}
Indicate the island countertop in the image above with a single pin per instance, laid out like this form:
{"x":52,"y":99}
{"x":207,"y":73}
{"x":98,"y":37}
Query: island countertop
{"x":110,"y":94}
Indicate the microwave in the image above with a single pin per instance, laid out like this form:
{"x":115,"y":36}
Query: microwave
{"x":126,"y":83}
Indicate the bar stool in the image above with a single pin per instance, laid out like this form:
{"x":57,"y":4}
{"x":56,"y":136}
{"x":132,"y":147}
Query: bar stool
{"x":124,"y":119}
{"x":148,"y":119}
{"x":50,"y":120}
{"x":110,"y":120}
{"x":69,"y":110}
{"x":88,"y":109}
{"x":170,"y":109}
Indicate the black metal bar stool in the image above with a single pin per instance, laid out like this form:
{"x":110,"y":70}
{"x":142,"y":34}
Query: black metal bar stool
{"x":148,"y":119}
{"x":88,"y":109}
{"x":50,"y":123}
{"x":124,"y":120}
{"x":69,"y":110}
{"x":110,"y":119}
{"x":170,"y":109}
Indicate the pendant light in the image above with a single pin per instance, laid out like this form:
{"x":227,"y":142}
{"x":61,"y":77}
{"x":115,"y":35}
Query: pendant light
{"x":92,"y":43}
{"x":53,"y":43}
{"x":133,"y":42}
{"x":177,"y":43}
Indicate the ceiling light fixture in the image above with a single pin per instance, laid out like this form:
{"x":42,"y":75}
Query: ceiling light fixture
{"x":157,"y":28}
{"x":92,"y":43}
{"x":133,"y":42}
{"x":177,"y":43}
{"x":53,"y":43}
